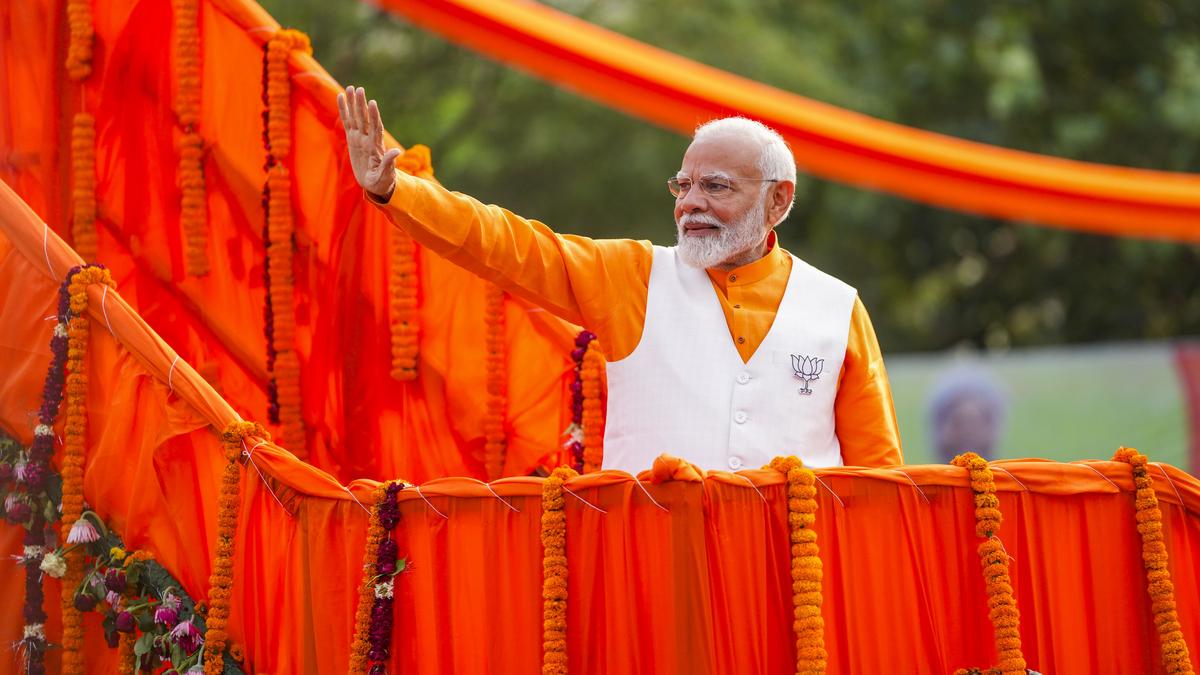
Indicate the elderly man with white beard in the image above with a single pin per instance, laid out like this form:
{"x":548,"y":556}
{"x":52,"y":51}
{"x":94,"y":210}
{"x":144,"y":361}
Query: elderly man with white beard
{"x":725,"y":349}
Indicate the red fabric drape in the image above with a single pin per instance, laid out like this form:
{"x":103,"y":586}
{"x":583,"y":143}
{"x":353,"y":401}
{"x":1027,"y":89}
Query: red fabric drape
{"x":830,"y":142}
{"x":688,"y":575}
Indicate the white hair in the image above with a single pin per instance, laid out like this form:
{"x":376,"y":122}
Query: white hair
{"x":775,"y":159}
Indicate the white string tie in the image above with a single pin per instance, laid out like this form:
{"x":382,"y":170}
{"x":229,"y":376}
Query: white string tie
{"x":639,"y":483}
{"x":103,"y":308}
{"x":249,"y":455}
{"x":835,"y":495}
{"x":430,"y":504}
{"x":46,"y":247}
{"x":360,"y":504}
{"x":506,"y":502}
{"x":52,"y":317}
{"x":914,"y":484}
{"x":1164,"y":473}
{"x":1010,"y":475}
{"x":1099,"y":474}
{"x":171,"y":374}
{"x":760,"y":494}
{"x":568,"y":491}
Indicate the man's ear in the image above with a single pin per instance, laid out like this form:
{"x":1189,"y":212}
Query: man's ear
{"x":780,"y":199}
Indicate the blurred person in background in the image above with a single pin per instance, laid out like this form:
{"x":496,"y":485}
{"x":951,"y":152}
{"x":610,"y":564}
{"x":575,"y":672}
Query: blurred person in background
{"x":967,"y":410}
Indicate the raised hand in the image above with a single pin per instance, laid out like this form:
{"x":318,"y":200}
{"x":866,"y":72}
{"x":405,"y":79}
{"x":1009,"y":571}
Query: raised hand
{"x":373,"y":164}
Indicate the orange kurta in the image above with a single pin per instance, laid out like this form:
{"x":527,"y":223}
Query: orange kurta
{"x":603,"y":283}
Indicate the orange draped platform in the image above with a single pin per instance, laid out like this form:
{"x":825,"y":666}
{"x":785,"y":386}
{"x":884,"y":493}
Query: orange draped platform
{"x":830,"y":142}
{"x":677,"y":577}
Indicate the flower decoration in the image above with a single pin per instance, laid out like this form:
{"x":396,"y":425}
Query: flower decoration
{"x":591,"y":376}
{"x":193,"y":206}
{"x":554,"y":573}
{"x":83,"y":192}
{"x":1003,"y":606}
{"x":575,"y":432}
{"x":404,"y":284}
{"x":283,"y":362}
{"x":371,"y":645}
{"x":80,"y":37}
{"x":1176,"y":658}
{"x":807,"y":572}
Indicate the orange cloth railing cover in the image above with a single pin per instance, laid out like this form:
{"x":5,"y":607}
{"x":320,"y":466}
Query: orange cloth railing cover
{"x":830,"y":142}
{"x":689,"y":574}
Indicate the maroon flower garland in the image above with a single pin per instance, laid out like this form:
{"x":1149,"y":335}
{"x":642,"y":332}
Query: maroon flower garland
{"x":575,"y":434}
{"x":387,"y":565}
{"x":29,"y":504}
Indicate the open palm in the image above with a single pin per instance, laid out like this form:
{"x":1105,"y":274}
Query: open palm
{"x":373,"y":164}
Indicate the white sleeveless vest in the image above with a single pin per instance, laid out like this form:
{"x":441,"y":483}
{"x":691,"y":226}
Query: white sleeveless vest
{"x":685,"y":390}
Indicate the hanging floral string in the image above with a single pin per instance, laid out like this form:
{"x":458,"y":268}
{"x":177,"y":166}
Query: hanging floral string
{"x":591,"y":375}
{"x":1003,"y":606}
{"x":1176,"y":658}
{"x":283,"y":363}
{"x":575,"y":432}
{"x":404,"y":284}
{"x":221,"y":582}
{"x":807,"y":573}
{"x":81,"y":35}
{"x":372,"y":642}
{"x":83,"y":190}
{"x":554,"y":573}
{"x":193,"y":211}
{"x":495,"y":440}
{"x":74,"y":445}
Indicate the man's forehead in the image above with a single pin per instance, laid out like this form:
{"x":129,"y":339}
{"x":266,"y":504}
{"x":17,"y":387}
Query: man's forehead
{"x":727,"y":155}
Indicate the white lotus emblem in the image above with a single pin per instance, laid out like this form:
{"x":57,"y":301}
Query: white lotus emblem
{"x":808,"y":369}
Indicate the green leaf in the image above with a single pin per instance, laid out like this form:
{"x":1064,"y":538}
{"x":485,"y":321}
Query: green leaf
{"x":144,"y":644}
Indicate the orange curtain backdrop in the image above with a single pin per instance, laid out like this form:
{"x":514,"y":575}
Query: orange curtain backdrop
{"x":361,"y":422}
{"x":686,"y":576}
{"x":829,"y":142}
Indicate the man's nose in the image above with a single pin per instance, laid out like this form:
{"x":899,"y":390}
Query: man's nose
{"x":693,"y":200}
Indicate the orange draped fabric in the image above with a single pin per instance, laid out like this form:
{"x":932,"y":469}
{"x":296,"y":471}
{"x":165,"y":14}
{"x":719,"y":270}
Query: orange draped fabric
{"x":829,"y":142}
{"x":361,"y":421}
{"x":677,"y":572}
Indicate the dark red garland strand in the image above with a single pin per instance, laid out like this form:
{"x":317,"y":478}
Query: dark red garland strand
{"x":386,"y":566}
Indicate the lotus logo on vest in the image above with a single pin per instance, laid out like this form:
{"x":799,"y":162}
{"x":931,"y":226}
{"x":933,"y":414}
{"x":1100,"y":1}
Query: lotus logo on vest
{"x":808,"y":369}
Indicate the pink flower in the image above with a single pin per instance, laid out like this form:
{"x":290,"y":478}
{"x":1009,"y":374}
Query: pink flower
{"x":165,"y":615}
{"x":125,"y":623}
{"x":82,"y":532}
{"x":186,"y":636}
{"x":170,"y":601}
{"x":113,"y":599}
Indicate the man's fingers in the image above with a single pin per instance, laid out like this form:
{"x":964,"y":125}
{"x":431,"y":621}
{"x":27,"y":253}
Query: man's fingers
{"x":343,"y":111}
{"x":375,"y":127}
{"x":360,"y":109}
{"x":389,"y":157}
{"x":350,"y":102}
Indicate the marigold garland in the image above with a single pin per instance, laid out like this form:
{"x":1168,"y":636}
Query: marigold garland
{"x":216,"y":637}
{"x":1176,"y":658}
{"x":193,"y":212}
{"x":1003,"y":606}
{"x":554,"y":573}
{"x":74,"y":444}
{"x":591,"y":376}
{"x":361,"y":645}
{"x":495,"y":442}
{"x":83,"y":190}
{"x":807,"y":572}
{"x":404,"y":285}
{"x":81,"y":35}
{"x":285,"y":366}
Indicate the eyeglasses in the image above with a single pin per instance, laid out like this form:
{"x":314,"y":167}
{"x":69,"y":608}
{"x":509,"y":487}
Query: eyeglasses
{"x":717,"y":187}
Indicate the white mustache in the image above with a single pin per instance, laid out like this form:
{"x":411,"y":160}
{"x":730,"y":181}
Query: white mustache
{"x":700,"y":219}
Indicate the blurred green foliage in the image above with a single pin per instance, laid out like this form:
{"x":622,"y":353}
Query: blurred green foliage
{"x":1114,"y":81}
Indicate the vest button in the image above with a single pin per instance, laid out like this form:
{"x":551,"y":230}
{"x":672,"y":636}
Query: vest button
{"x":735,"y":462}
{"x":740,"y":417}
{"x":743,"y":378}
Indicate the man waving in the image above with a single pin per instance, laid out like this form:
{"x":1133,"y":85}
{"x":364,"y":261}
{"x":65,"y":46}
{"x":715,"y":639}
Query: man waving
{"x":724,"y":349}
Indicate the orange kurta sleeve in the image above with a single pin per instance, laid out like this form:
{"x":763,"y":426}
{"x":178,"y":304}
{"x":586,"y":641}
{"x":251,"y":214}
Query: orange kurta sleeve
{"x":866,"y":416}
{"x":600,"y":284}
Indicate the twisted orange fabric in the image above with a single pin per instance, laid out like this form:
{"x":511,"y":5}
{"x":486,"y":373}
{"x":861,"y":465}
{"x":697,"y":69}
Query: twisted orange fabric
{"x":1154,"y":554}
{"x":280,"y":229}
{"x":591,"y":375}
{"x":83,"y":190}
{"x":216,"y":636}
{"x":668,"y":467}
{"x":497,"y":384}
{"x":1004,"y":614}
{"x":554,"y":573}
{"x":193,"y":212}
{"x":807,"y":572}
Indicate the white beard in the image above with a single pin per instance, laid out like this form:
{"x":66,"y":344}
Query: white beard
{"x":731,"y":240}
